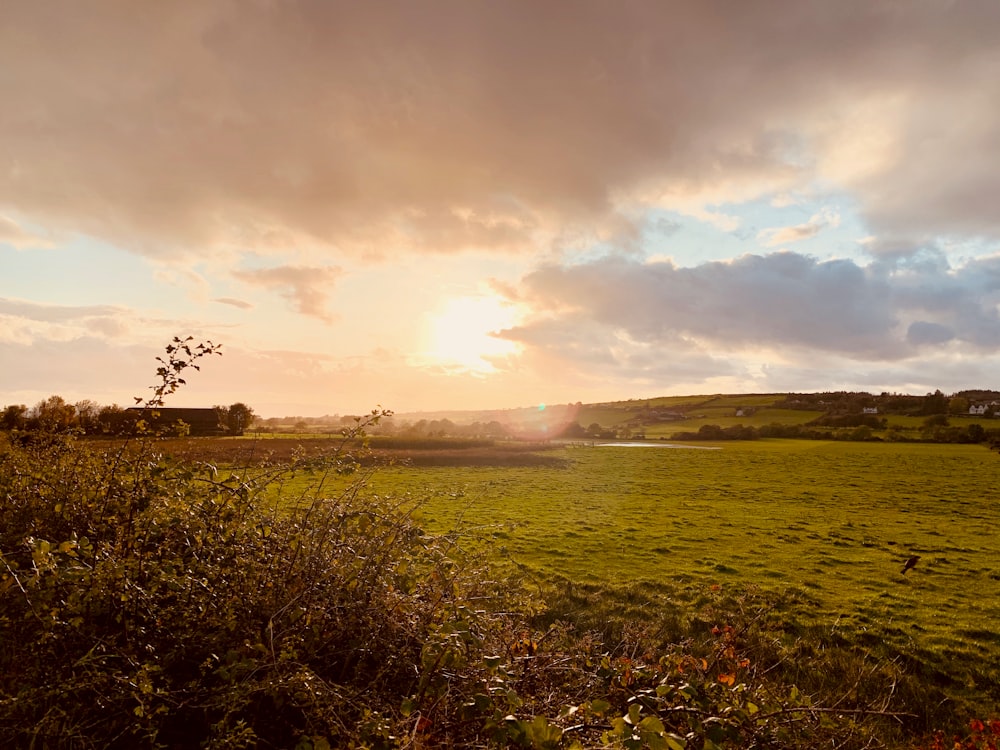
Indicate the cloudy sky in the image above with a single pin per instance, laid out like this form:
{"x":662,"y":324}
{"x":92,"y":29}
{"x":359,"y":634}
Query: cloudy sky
{"x":495,"y":204}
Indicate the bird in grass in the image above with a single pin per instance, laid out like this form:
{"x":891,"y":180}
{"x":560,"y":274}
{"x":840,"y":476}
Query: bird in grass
{"x":910,"y":563}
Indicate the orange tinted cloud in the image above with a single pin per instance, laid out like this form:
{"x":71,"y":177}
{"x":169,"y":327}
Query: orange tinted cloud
{"x":306,"y":288}
{"x":379,"y":127}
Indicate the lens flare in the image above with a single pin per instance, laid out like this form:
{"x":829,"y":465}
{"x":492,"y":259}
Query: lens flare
{"x":461,"y":334}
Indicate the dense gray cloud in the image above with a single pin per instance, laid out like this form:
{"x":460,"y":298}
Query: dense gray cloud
{"x":782,"y":298}
{"x":599,"y":351}
{"x":922,"y":332}
{"x":782,"y":301}
{"x":370,"y":127}
{"x":963,"y":301}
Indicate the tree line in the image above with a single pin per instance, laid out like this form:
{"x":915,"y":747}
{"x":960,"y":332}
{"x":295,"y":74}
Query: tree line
{"x":855,"y":427}
{"x":87,"y":417}
{"x":851,"y":402}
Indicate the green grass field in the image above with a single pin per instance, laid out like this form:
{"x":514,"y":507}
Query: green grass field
{"x":701,"y":410}
{"x":834,"y":520}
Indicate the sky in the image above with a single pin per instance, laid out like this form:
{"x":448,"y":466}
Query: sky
{"x":473,"y":204}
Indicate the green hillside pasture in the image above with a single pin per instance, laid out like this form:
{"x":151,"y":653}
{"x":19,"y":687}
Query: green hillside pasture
{"x":834,"y":520}
{"x":955,"y":420}
{"x":734,"y":401}
{"x":906,"y":422}
{"x":671,"y":402}
{"x":606,"y":416}
{"x":611,"y":414}
{"x":725,"y":417}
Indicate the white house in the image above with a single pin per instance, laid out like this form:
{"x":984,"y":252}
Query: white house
{"x":978,"y":409}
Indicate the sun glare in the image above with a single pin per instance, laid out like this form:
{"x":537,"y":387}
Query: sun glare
{"x":460,"y":333}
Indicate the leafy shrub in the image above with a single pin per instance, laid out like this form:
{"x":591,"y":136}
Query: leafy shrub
{"x":153,"y":602}
{"x":981,"y":735}
{"x":150,"y":601}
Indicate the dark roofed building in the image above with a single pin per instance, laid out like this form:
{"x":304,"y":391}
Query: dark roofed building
{"x":200,"y":421}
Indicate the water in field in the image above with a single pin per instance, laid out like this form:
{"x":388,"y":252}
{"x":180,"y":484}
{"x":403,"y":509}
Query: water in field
{"x":658,"y":445}
{"x":835,"y":520}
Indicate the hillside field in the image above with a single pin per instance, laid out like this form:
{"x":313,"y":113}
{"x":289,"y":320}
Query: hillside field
{"x":831,"y":520}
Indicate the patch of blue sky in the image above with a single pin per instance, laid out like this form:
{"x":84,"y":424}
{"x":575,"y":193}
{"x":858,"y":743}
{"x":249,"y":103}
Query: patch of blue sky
{"x":75,"y":272}
{"x":690,"y":241}
{"x":82,"y":271}
{"x":960,"y":251}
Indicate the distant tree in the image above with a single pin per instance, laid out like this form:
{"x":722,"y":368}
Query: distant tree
{"x":976,"y":433}
{"x":114,"y":420}
{"x":14,"y":417}
{"x":419,"y":428}
{"x":710,"y":432}
{"x":935,"y":403}
{"x":386,"y":426}
{"x":53,"y":414}
{"x":493,"y":429}
{"x":861,"y":432}
{"x":86,"y":415}
{"x":936,"y":420}
{"x":440,"y":428}
{"x":238,"y":418}
{"x":574,"y":430}
{"x":958,"y":405}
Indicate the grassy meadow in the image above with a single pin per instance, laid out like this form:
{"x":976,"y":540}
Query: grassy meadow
{"x":683,"y":596}
{"x":831,"y":520}
{"x":828,"y":522}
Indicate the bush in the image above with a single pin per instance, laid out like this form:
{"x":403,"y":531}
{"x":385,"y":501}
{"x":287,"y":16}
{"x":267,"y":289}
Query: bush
{"x":189,"y":608}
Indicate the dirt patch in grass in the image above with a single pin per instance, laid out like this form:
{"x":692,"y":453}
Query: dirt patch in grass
{"x":494,"y":456}
{"x":260,"y":452}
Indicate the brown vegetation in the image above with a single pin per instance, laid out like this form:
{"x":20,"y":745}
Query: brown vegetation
{"x":264,"y":451}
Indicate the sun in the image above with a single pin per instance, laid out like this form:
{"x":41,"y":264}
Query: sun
{"x":460,"y":334}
